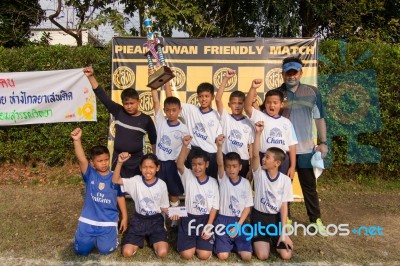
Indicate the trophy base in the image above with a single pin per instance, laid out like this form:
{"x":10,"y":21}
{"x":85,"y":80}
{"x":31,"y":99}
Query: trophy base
{"x":160,"y":77}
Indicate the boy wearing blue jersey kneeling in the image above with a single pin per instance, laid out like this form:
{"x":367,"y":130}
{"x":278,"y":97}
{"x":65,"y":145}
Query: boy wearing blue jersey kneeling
{"x":99,"y":218}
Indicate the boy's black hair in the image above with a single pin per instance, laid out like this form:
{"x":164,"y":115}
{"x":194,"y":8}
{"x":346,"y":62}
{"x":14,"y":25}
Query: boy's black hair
{"x":233,"y":156}
{"x":274,"y":92}
{"x":238,"y":94}
{"x":98,"y":150}
{"x":279,"y":154}
{"x":150,"y":156}
{"x":292,"y":59}
{"x":172,"y":100}
{"x":205,"y":86}
{"x":199,"y":154}
{"x":129,"y":93}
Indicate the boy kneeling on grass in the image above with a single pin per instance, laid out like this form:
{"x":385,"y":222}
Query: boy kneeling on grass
{"x":235,"y":202}
{"x":151,"y":199}
{"x":99,"y":218}
{"x":202,"y":203}
{"x":273,"y":191}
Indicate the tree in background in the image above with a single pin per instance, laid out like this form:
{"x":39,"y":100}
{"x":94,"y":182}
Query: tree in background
{"x":277,"y":18}
{"x":16,"y":19}
{"x":360,"y":20}
{"x":372,"y":20}
{"x":84,"y":11}
{"x":137,"y":8}
{"x":332,"y":19}
{"x":197,"y":18}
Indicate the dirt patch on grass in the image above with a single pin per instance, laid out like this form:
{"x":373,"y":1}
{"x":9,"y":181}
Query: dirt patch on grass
{"x":356,"y":209}
{"x":40,"y":206}
{"x":39,"y":174}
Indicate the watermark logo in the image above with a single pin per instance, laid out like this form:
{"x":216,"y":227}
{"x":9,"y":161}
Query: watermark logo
{"x":295,"y":229}
{"x":368,"y":230}
{"x":352,"y":102}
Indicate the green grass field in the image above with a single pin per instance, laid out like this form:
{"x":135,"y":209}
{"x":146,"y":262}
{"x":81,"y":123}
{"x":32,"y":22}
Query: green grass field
{"x":39,"y":214}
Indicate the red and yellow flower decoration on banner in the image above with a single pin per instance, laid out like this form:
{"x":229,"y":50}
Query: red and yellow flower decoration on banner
{"x":86,"y":111}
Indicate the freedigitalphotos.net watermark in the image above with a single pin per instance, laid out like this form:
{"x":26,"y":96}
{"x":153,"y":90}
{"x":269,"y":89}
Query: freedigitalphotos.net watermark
{"x":252,"y":230}
{"x":351,"y":99}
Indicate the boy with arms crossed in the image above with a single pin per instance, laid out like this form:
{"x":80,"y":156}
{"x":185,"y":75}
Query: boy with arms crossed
{"x":202,"y":203}
{"x":238,"y":129}
{"x":273,"y":190}
{"x":236,"y":199}
{"x":99,"y":218}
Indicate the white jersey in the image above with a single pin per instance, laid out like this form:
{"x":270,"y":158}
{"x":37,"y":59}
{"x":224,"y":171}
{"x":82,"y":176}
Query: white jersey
{"x":278,"y":132}
{"x":239,"y":135}
{"x":271,"y":193}
{"x":234,"y":197}
{"x":169,"y":138}
{"x":199,"y":197}
{"x":149,"y":199}
{"x":203,"y":127}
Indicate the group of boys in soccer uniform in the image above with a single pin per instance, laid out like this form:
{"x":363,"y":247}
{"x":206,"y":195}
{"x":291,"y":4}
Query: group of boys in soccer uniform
{"x":209,"y":159}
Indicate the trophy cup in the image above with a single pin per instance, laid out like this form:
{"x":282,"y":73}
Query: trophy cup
{"x":160,"y":73}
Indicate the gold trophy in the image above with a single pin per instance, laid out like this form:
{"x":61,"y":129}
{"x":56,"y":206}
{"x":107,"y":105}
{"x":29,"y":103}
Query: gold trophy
{"x":160,"y":73}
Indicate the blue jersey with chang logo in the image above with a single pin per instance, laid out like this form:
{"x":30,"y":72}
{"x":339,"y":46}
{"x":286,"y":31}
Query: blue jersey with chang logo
{"x":100,"y":206}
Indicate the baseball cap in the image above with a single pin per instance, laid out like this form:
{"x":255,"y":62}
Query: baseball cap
{"x":291,"y":65}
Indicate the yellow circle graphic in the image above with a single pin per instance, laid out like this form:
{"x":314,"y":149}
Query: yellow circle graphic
{"x":193,"y":99}
{"x":358,"y":94}
{"x":259,"y":100}
{"x":219,"y":76}
{"x":274,"y":79}
{"x":180,"y":77}
{"x":123,"y":77}
{"x":146,"y":103}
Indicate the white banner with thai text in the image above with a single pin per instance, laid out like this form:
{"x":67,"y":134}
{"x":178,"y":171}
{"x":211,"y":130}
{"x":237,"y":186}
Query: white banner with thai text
{"x":46,"y":97}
